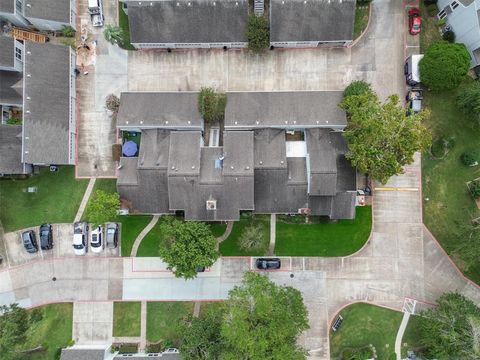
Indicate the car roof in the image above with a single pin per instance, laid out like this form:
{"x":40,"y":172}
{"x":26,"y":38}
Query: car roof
{"x":77,"y":238}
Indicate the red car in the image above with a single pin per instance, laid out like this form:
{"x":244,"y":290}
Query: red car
{"x":414,"y":21}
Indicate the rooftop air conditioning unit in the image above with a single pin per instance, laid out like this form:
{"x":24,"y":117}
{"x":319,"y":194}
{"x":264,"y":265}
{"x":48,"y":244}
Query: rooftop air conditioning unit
{"x":211,"y":204}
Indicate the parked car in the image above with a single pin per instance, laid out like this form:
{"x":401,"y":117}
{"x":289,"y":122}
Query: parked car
{"x":268,"y":263}
{"x":414,"y":101}
{"x":46,"y":236}
{"x":96,"y":239}
{"x":412,"y":70}
{"x":111,"y":235}
{"x":30,"y":241}
{"x":80,"y":233}
{"x":414,"y":21}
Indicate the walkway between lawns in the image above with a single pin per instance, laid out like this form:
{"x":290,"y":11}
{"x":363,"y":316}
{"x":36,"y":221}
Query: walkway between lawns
{"x":401,"y":331}
{"x":227,"y":232}
{"x":86,"y":196}
{"x":144,"y":232}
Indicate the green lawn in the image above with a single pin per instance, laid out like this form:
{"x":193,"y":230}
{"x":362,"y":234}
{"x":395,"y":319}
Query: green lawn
{"x":123,"y":23}
{"x":324,"y":239}
{"x":361,"y":20}
{"x":151,"y":242}
{"x":411,"y":337}
{"x":230,"y":247}
{"x":365,"y":324}
{"x":164,"y":318}
{"x":449,"y":206}
{"x":131,"y":225}
{"x":54,"y":331}
{"x":57,"y":198}
{"x":126,"y":318}
{"x":218,"y":229}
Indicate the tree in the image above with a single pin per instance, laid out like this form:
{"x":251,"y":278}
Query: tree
{"x":211,"y":104}
{"x":258,"y":33}
{"x":113,"y":34}
{"x":450,"y":331}
{"x":468,"y":100}
{"x":357,"y":87}
{"x":201,"y":338}
{"x":252,"y":237}
{"x":444,"y":66}
{"x":14,"y":324}
{"x":102,"y":207}
{"x":187,"y":246}
{"x":381,"y":137}
{"x":263,"y":320}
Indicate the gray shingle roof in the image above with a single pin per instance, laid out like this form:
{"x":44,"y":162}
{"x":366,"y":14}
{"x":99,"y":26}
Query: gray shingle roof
{"x":153,"y":153}
{"x":11,"y":88}
{"x":184,"y":153}
{"x":270,"y":149}
{"x":7,"y":51}
{"x":194,"y":21}
{"x":323,"y":162}
{"x":311,"y":20}
{"x":169,"y":110}
{"x":343,"y":206}
{"x":238,"y":153}
{"x":209,"y":174}
{"x":7,"y":6}
{"x":47,"y":84}
{"x":53,"y":10}
{"x":284,"y":109}
{"x":11,"y":149}
{"x":82,"y":354}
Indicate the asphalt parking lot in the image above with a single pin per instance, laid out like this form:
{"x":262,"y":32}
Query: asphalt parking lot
{"x":62,"y":246}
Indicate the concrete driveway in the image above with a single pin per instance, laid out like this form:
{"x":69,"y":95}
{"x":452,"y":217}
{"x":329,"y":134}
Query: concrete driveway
{"x":377,"y":58}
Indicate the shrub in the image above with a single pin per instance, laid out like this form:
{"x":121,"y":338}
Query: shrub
{"x":357,"y":87}
{"x":112,"y":103}
{"x":14,"y":121}
{"x":469,"y":158}
{"x":449,"y":36}
{"x":211,"y":104}
{"x":36,"y":315}
{"x":444,"y":65}
{"x":441,"y":22}
{"x":68,"y":31}
{"x":432,"y":9}
{"x":430,"y":2}
{"x":113,"y":34}
{"x":252,"y":238}
{"x":474,"y":187}
{"x":468,"y":100}
{"x":441,"y":146}
{"x":258,"y":33}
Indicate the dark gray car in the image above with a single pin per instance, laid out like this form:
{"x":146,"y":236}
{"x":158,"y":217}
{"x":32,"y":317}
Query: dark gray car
{"x":111,"y":234}
{"x":46,"y":237}
{"x":30,"y":241}
{"x":268,"y":263}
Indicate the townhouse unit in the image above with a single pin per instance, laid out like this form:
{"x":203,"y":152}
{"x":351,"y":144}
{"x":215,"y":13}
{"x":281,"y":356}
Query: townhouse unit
{"x":37,"y":105}
{"x":278,"y":152}
{"x":173,"y":24}
{"x":45,"y":15}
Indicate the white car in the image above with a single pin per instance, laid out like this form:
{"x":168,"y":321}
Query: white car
{"x":80,"y":232}
{"x":96,"y":240}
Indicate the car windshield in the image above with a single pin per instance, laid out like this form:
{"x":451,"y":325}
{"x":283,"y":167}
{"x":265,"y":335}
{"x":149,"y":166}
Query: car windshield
{"x":111,"y":231}
{"x":78,"y":247}
{"x":44,"y":233}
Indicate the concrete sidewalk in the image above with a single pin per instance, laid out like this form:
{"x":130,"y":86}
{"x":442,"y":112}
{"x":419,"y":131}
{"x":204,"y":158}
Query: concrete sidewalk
{"x":86,"y":197}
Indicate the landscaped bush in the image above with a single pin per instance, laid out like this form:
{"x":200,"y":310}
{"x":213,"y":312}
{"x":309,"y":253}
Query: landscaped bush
{"x":429,"y":2}
{"x":449,"y":36}
{"x":113,"y":34}
{"x":14,"y":121}
{"x":432,"y":9}
{"x":441,"y":146}
{"x":112,"y":103}
{"x":357,"y":87}
{"x":474,"y":187}
{"x":252,"y":238}
{"x":211,"y":104}
{"x":469,"y":158}
{"x":68,"y":31}
{"x":258,"y":33}
{"x":444,"y":66}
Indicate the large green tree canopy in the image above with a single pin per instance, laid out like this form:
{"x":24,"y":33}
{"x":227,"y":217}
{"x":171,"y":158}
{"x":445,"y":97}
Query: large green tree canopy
{"x":186,"y":246}
{"x":102,"y":207}
{"x":263,"y":321}
{"x":444,"y":66}
{"x":14,"y":324}
{"x":381,"y":137}
{"x":451,"y":330}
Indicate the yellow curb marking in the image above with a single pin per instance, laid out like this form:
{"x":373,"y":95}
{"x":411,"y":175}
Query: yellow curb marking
{"x":395,"y":189}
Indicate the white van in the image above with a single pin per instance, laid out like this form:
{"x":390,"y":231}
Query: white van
{"x":411,"y":69}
